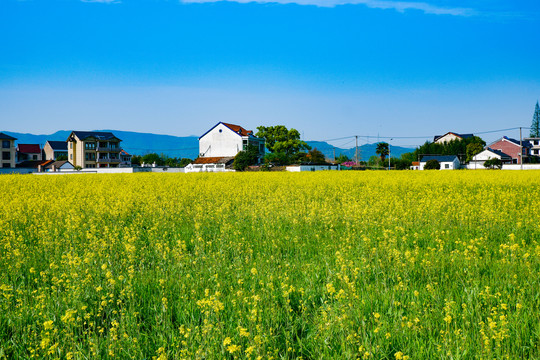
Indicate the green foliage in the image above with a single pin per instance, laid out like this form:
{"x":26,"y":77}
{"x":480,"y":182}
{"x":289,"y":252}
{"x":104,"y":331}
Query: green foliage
{"x":61,"y":158}
{"x":342,"y":158}
{"x":160,"y":160}
{"x":454,"y":147}
{"x":432,"y":165}
{"x":535,"y":126}
{"x":493,"y":164}
{"x":280,"y":139}
{"x":472,"y":149}
{"x":246,"y":158}
{"x":136,"y":160}
{"x":277,"y":158}
{"x":153,"y":158}
{"x":77,"y":168}
{"x":314,"y":156}
{"x":374,"y":161}
{"x":383,"y":149}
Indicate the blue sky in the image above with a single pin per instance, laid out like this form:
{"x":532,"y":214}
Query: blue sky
{"x":330,"y":68}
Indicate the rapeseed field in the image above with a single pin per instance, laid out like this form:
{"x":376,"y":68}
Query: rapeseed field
{"x":334,"y":265}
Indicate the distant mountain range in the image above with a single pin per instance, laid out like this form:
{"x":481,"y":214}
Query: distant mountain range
{"x":188,"y":146}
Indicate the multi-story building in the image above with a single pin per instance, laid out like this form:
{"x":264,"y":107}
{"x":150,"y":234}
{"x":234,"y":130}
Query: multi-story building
{"x":125,"y":159}
{"x":517,"y":150}
{"x":8,"y":151}
{"x":225,"y":140}
{"x":28,"y":152}
{"x":534,"y":146}
{"x":54,"y":149}
{"x":93,"y":149}
{"x":449,"y":136}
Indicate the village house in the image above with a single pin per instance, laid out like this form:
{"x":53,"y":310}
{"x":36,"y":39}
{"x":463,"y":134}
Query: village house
{"x":512,"y":148}
{"x":125,"y":159}
{"x":55,"y":166}
{"x":447,"y":162}
{"x":479,"y":159}
{"x":28,"y":152}
{"x":8,"y":151}
{"x":534,"y":146}
{"x":91,"y":149}
{"x":449,"y":136}
{"x":219,"y":145}
{"x":55,"y":149}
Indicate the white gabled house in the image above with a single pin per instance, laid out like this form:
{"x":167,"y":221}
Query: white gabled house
{"x":219,"y":145}
{"x":225,"y":140}
{"x":447,"y":162}
{"x":479,"y":159}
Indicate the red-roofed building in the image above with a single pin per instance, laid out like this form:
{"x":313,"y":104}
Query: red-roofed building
{"x":27,"y":152}
{"x":225,"y":140}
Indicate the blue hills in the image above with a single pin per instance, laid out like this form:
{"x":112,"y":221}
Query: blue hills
{"x":188,"y":146}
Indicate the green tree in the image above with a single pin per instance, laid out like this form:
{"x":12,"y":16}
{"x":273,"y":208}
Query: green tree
{"x":246,"y":158}
{"x":314,"y":156}
{"x":280,"y":139}
{"x":136,"y":160}
{"x":383,"y":149}
{"x":277,"y":158}
{"x":342,"y":158}
{"x":432,"y":165}
{"x":153,"y":158}
{"x":472,"y":149}
{"x":493,"y":163}
{"x":61,"y":158}
{"x":184,"y":162}
{"x":535,"y":126}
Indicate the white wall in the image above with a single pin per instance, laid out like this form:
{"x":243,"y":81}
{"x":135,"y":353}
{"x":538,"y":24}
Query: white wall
{"x":298,"y":168}
{"x":220,"y":144}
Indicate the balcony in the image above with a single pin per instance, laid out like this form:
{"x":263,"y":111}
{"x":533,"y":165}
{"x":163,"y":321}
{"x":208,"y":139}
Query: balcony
{"x":108,"y":149}
{"x":107,"y":160}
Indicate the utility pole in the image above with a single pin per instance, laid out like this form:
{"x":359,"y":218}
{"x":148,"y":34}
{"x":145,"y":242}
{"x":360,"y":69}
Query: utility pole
{"x":520,"y":149}
{"x":334,"y":155}
{"x":356,"y":152}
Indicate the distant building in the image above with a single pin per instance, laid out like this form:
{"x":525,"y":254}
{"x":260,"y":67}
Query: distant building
{"x":125,"y":159}
{"x":415,"y":165}
{"x":55,"y":149}
{"x":479,"y":159}
{"x":512,"y":148}
{"x":28,"y":152}
{"x":226,"y":140}
{"x":447,"y":162}
{"x":534,"y":145}
{"x":449,"y":136}
{"x":308,"y":167}
{"x":210,"y":164}
{"x":8,"y":151}
{"x":91,"y":149}
{"x":54,"y":166}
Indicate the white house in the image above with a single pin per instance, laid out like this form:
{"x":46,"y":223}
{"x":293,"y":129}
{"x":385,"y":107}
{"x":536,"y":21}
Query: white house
{"x":447,"y":162}
{"x":226,"y":140}
{"x":449,"y":136}
{"x":488,"y":153}
{"x":307,"y":167}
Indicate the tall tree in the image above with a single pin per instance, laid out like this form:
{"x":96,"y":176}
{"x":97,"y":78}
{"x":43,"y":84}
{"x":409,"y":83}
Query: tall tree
{"x":535,"y":126}
{"x":280,"y":139}
{"x":382,"y":150}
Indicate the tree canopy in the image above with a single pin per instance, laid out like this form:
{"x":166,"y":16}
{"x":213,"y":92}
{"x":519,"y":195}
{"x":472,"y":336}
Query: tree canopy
{"x":535,"y":126}
{"x":383,"y":149}
{"x":279,"y":139}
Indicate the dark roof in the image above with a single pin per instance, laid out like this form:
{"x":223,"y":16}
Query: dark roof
{"x":439,"y":158}
{"x":213,"y":160}
{"x":52,"y":163}
{"x":499,"y":152}
{"x":58,"y":145}
{"x":99,"y":135}
{"x":6,"y":137}
{"x":29,"y":148}
{"x":463,"y":136}
{"x":32,"y":163}
{"x":525,"y":143}
{"x":235,"y":128}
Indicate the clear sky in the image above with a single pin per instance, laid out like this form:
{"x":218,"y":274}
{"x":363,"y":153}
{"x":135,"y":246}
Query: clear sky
{"x":329,"y":68}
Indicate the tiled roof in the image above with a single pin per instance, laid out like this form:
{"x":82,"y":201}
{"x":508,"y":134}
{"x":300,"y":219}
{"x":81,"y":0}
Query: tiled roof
{"x":99,"y":135}
{"x":33,"y":163}
{"x":58,"y":145}
{"x":50,"y":163}
{"x":124,"y":152}
{"x":29,"y":148}
{"x":439,"y":158}
{"x":6,"y":137}
{"x":213,"y":160}
{"x":525,"y":143}
{"x":498,"y":152}
{"x":463,"y":136}
{"x":238,"y":129}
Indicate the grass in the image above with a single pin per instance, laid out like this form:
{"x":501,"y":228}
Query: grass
{"x":345,"y":265}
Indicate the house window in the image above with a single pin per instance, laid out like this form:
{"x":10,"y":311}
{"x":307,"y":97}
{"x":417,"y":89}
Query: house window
{"x":90,"y":156}
{"x":447,"y":166}
{"x":6,"y":155}
{"x":71,"y":145}
{"x":34,"y":157}
{"x":6,"y":165}
{"x":6,"y":144}
{"x":90,"y":146}
{"x":70,"y":156}
{"x":244,"y":145}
